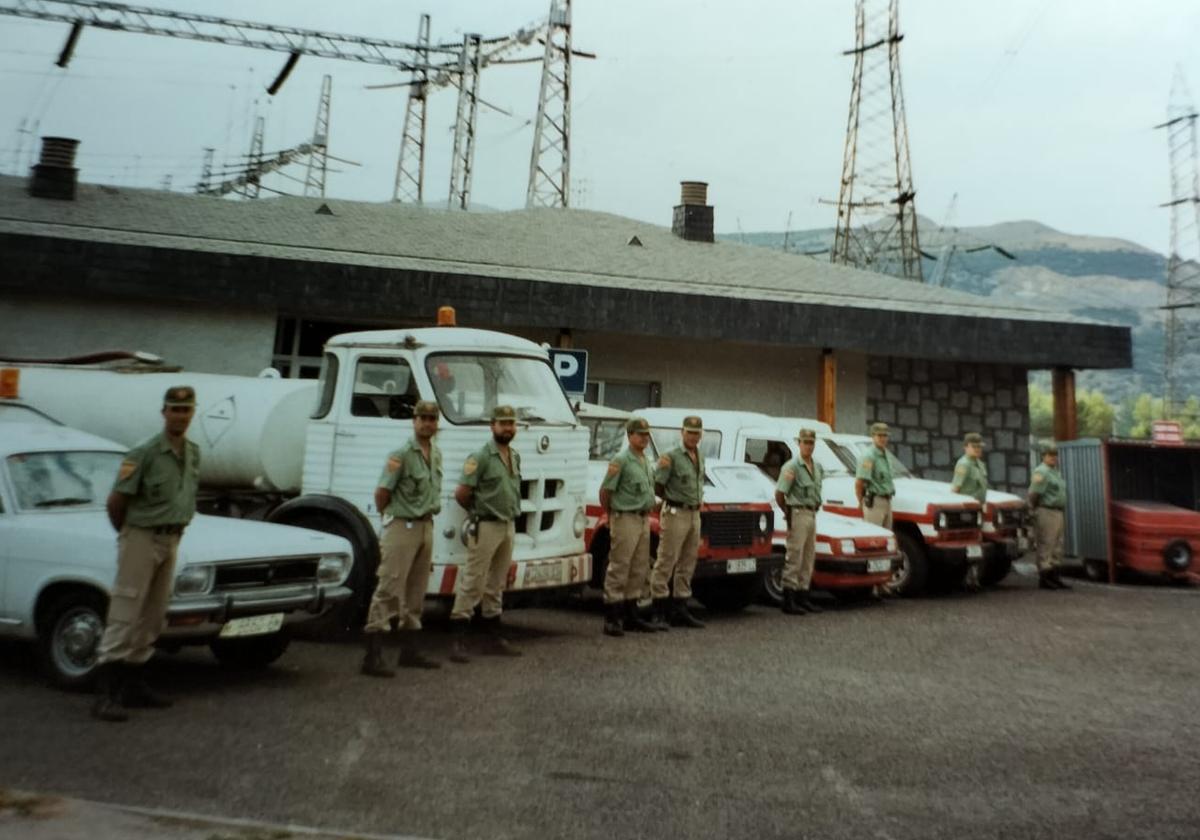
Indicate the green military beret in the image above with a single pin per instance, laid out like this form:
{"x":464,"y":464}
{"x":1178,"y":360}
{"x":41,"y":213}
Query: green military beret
{"x":692,"y":423}
{"x":180,"y":395}
{"x":807,"y":435}
{"x":504,"y":412}
{"x":426,"y":408}
{"x":880,"y":429}
{"x":637,"y":424}
{"x":973,"y":437}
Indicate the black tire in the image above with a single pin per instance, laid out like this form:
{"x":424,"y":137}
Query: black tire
{"x":995,"y":570}
{"x":1096,"y":570}
{"x":770,"y":586}
{"x":912,"y":578}
{"x":349,"y":615}
{"x":599,"y":548}
{"x":727,"y":594}
{"x":69,"y":633}
{"x":252,"y":652}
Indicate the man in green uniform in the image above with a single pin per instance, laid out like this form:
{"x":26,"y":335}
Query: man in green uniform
{"x":1047,"y":498}
{"x":679,"y":480}
{"x":490,"y":490}
{"x":873,"y":483}
{"x":627,"y":494}
{"x":152,"y":501}
{"x":408,"y":496}
{"x":971,"y":479}
{"x":798,"y":494}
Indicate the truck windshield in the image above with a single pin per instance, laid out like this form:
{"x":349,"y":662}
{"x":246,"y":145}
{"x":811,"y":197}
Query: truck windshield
{"x":851,"y":452}
{"x":606,"y":439}
{"x":44,"y":480}
{"x":469,"y":386}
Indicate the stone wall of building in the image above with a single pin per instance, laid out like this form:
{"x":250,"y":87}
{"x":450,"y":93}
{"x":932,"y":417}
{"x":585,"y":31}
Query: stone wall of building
{"x":930,"y":406}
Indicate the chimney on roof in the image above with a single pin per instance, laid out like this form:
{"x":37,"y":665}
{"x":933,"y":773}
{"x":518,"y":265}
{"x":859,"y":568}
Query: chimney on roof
{"x":693,"y":215}
{"x":55,"y":175}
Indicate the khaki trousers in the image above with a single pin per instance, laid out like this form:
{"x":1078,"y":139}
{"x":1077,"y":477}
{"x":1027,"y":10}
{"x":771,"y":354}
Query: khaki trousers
{"x":628,"y":558}
{"x":678,"y":542}
{"x":801,"y":550}
{"x":1048,"y":534}
{"x":489,"y":554}
{"x":880,"y":513}
{"x":137,"y":608}
{"x":406,"y":557}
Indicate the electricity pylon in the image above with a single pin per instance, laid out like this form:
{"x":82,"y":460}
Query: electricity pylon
{"x":410,"y":168}
{"x":463,"y":158}
{"x":318,"y":159}
{"x":550,"y":160}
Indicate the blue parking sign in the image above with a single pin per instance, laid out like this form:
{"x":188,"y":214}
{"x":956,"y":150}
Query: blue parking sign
{"x":570,"y":366}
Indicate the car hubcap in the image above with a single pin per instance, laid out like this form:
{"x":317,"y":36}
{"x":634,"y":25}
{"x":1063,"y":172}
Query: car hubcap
{"x":900,"y":576}
{"x":76,"y":640}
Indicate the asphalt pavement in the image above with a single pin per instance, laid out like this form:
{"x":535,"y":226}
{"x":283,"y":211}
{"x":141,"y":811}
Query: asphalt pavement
{"x":1013,"y":713}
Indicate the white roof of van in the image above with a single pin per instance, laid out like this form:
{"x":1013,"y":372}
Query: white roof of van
{"x":437,"y":337}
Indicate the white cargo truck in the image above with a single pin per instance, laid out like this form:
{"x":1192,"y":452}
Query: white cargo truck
{"x":309,"y":453}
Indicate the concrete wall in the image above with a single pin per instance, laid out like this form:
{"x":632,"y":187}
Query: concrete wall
{"x":199,"y":338}
{"x":931,"y":405}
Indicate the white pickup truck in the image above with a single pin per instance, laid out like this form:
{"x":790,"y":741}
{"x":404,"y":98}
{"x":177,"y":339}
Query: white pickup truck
{"x":239,"y":585}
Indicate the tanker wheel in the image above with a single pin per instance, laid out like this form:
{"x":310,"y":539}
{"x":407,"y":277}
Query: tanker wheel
{"x":348,"y":616}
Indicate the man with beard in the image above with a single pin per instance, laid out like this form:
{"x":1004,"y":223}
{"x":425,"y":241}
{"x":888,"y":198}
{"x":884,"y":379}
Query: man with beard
{"x":490,"y":490}
{"x":408,"y":496}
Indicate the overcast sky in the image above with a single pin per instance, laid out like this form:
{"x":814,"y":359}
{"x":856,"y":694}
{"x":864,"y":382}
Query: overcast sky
{"x":1027,"y":109}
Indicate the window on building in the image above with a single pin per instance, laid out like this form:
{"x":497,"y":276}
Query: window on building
{"x":300,"y":343}
{"x":627,"y":396}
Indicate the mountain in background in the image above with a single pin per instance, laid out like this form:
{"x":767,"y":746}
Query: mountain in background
{"x":1110,"y":280}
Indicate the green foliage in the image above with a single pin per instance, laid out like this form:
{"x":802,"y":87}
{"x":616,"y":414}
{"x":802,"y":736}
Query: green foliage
{"x":1041,"y":413}
{"x":1095,"y":415}
{"x":1147,"y":409}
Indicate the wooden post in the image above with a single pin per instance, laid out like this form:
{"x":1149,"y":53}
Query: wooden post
{"x":827,"y":388}
{"x":566,"y":340}
{"x":1065,"y":419}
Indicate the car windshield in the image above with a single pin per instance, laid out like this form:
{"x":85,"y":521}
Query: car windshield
{"x":850,"y":453}
{"x":606,"y":439}
{"x":44,"y":480}
{"x":469,"y":386}
{"x":666,"y":439}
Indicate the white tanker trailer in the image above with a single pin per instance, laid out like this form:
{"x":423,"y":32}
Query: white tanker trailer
{"x":309,"y":453}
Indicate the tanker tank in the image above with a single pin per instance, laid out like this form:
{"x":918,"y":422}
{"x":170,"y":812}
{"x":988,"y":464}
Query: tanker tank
{"x":251,"y":431}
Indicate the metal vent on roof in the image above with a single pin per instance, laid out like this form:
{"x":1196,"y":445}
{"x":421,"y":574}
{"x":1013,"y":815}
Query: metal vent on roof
{"x":633,"y":240}
{"x":324,"y":210}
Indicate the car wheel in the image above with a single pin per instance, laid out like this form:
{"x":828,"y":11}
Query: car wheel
{"x":770,"y":589}
{"x":995,"y":570}
{"x":69,"y":638}
{"x":727,"y":594}
{"x":913,"y":574}
{"x":252,"y":652}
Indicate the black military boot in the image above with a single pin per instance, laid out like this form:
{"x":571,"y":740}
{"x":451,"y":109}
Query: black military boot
{"x":458,"y":645}
{"x":372,"y":665}
{"x":110,"y":681}
{"x":680,"y":617}
{"x":634,"y":621}
{"x":137,"y":695}
{"x":658,"y":615}
{"x":612,"y":619}
{"x":497,"y":645}
{"x":1056,"y":579}
{"x":411,"y":655}
{"x":791,"y":606}
{"x":806,"y":601}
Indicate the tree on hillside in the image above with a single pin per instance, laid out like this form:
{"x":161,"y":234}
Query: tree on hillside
{"x":1147,"y":409}
{"x":1095,"y":415}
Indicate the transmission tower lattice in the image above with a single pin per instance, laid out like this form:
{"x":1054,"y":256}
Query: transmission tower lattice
{"x":463,"y":158}
{"x":206,"y":171}
{"x":318,"y":159}
{"x":410,"y":168}
{"x":1182,"y":313}
{"x":876,"y":211}
{"x":255,"y":159}
{"x":550,"y":161}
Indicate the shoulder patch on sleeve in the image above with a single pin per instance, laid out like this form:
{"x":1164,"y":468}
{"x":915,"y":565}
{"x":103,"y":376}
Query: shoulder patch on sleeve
{"x":393,"y":463}
{"x":470,"y":466}
{"x":1038,"y":478}
{"x":868,"y":463}
{"x":614,"y":467}
{"x":961,"y":469}
{"x":128,"y":468}
{"x":789,"y":474}
{"x":664,"y":461}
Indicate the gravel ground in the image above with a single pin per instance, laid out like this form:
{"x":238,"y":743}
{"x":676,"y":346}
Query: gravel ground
{"x":1015,"y":713}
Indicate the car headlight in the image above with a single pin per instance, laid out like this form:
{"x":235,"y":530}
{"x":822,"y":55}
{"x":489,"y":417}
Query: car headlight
{"x":847,"y":546}
{"x":579,"y":523}
{"x":823,"y":548}
{"x":764,"y":524}
{"x":334,"y":568}
{"x":194,"y":580}
{"x":978,"y":519}
{"x":942,"y":520}
{"x":891,"y":543}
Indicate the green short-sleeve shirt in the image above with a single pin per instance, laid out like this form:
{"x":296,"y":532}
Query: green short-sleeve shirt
{"x":497,"y":489}
{"x":161,"y":485}
{"x":875,"y":469}
{"x":682,"y":480}
{"x":1050,"y":486}
{"x":799,"y":485}
{"x":415,"y":484}
{"x":630,"y":480}
{"x":970,"y":478}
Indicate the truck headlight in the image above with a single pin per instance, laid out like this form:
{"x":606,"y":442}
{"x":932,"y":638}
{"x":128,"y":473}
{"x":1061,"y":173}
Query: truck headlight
{"x":942,"y":521}
{"x":891,"y":544}
{"x":333,"y":568}
{"x":579,"y":523}
{"x":764,"y":524}
{"x":194,"y":580}
{"x":847,"y":546}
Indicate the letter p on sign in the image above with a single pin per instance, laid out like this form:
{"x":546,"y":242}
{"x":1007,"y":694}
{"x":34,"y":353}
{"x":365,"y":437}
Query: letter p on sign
{"x":570,"y":366}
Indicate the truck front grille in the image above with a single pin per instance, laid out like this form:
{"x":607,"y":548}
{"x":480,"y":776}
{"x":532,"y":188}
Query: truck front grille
{"x":292,"y":570}
{"x":730,"y":528}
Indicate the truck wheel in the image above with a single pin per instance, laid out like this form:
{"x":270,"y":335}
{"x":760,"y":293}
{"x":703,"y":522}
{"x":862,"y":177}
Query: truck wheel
{"x":913,"y":575}
{"x":770,"y":589}
{"x":996,"y":570}
{"x":350,"y":614}
{"x":728,"y":594}
{"x":69,"y":638}
{"x":251,"y":653}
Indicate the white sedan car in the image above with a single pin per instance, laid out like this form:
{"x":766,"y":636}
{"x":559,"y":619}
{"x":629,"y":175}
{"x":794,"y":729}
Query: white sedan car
{"x":238,"y":584}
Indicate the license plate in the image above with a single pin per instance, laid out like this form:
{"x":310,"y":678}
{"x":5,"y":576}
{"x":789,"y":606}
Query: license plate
{"x":252,"y":625}
{"x":881,"y":565}
{"x":975,"y":552}
{"x":539,"y":574}
{"x":741,"y":567}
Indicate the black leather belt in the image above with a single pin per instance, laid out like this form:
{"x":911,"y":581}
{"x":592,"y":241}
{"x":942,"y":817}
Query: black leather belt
{"x":426,"y":518}
{"x":174,"y":530}
{"x":884,"y":495}
{"x":803,"y":507}
{"x":682,"y":505}
{"x":490,"y":519}
{"x":1050,"y":507}
{"x":633,"y":512}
